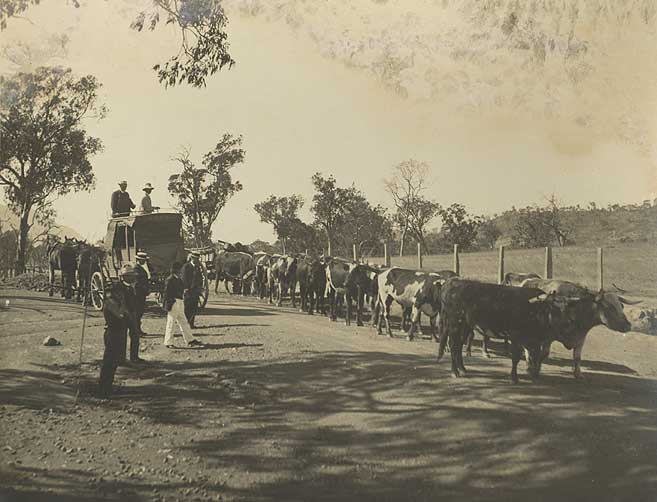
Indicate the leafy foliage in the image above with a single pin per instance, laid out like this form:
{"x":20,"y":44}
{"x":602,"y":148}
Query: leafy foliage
{"x":329,"y":206}
{"x":459,"y":227}
{"x":202,"y":23}
{"x":365,"y":225}
{"x":201,"y":193}
{"x":281,"y":212}
{"x":204,"y":42}
{"x":45,"y":150}
{"x":487,"y":234}
{"x":536,"y":226}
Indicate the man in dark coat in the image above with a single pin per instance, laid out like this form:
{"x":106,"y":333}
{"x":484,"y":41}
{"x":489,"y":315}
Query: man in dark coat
{"x":121,"y":201}
{"x":119,"y":313}
{"x":192,"y":277}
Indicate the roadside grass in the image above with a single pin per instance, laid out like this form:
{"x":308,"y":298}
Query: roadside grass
{"x":631,"y":266}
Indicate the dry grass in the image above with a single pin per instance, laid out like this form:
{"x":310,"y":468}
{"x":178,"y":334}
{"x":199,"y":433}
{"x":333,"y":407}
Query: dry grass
{"x":630,"y":266}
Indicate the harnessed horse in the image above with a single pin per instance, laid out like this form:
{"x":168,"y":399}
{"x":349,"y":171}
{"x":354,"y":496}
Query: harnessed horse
{"x":63,"y":256}
{"x":89,"y":261}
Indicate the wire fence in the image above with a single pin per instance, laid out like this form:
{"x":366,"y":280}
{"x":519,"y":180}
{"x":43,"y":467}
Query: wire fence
{"x":632,"y":267}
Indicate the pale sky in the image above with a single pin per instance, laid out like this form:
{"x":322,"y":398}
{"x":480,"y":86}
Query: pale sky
{"x":300,"y":110}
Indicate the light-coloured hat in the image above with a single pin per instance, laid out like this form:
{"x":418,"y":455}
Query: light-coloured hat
{"x":123,"y":182}
{"x":195,"y":254}
{"x":148,"y":186}
{"x":141,"y":255}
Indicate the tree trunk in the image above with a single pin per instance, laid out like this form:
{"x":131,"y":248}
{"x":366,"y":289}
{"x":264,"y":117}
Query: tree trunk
{"x":423,"y":244}
{"x":283,"y":242}
{"x":23,"y":241}
{"x":402,"y":240}
{"x":328,"y":239}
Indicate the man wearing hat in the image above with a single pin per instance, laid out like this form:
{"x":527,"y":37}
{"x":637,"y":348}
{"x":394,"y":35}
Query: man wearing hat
{"x":142,"y":289}
{"x":146,"y":205}
{"x":119,"y":313}
{"x":192,"y":277}
{"x":121,"y":201}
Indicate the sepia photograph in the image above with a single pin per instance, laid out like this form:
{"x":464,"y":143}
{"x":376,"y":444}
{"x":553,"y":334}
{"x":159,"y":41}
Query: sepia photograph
{"x":328,"y":250}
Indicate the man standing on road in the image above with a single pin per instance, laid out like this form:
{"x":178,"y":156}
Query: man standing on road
{"x":146,"y":205}
{"x":192,"y":277}
{"x":173,"y":304}
{"x":119,"y":313}
{"x":142,"y":289}
{"x":121,"y":201}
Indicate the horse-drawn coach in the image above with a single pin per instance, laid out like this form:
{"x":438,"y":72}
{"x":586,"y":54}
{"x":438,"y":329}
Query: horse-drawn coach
{"x":157,"y":234}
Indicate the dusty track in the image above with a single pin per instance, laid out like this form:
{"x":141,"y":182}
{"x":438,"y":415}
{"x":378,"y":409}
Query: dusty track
{"x":281,"y":405}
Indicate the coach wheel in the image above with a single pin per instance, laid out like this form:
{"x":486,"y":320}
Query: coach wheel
{"x":97,"y":290}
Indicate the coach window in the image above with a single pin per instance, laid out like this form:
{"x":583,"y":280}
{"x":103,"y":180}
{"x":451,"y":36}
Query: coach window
{"x":124,"y":244}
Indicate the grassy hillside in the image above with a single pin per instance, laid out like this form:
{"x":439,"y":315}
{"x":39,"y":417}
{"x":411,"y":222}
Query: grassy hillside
{"x":600,"y":227}
{"x":631,"y":266}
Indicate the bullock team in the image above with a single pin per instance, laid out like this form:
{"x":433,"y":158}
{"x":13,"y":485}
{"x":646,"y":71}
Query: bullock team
{"x":527,"y":312}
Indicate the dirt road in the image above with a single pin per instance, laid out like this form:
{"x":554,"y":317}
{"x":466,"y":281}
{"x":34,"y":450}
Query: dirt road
{"x":280,"y":405}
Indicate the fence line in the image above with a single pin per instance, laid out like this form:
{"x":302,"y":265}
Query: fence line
{"x":630,"y":266}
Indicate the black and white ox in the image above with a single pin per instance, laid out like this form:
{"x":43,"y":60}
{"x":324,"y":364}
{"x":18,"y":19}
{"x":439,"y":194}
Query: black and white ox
{"x":414,"y":290}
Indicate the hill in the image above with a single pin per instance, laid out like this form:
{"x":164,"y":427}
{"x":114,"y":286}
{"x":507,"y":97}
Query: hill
{"x":9,"y":220}
{"x":599,"y":226}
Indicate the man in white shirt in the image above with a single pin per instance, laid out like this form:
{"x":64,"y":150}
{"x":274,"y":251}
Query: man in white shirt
{"x":146,"y":205}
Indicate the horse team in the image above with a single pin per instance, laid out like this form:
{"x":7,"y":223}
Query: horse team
{"x":77,"y":261}
{"x":527,"y":312}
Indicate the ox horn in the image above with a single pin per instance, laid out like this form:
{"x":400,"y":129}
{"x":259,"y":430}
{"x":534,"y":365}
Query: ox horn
{"x":629,"y":302}
{"x":539,"y":298}
{"x":620,"y":290}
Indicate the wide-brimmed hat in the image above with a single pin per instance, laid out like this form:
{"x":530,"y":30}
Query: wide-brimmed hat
{"x":141,"y":255}
{"x":195,"y":254}
{"x":123,"y":182}
{"x":148,"y":186}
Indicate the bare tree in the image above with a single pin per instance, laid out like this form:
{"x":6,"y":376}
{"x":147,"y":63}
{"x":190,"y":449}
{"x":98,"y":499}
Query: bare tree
{"x":413,"y":211}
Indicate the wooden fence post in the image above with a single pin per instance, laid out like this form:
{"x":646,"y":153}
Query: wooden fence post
{"x":386,"y":255}
{"x":548,"y":262}
{"x":457,"y":262}
{"x":601,"y":282}
{"x":500,"y":266}
{"x":419,"y":255}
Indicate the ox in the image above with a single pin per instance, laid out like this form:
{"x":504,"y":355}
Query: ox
{"x":585,"y":310}
{"x":311,"y":277}
{"x":510,"y":279}
{"x":337,"y":270}
{"x":236,"y":266}
{"x":361,"y":282}
{"x":527,"y":316}
{"x":261,"y":262}
{"x":283,"y":277}
{"x":414,"y":290}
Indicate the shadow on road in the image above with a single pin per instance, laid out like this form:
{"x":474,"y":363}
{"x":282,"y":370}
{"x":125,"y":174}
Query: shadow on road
{"x":380,"y":426}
